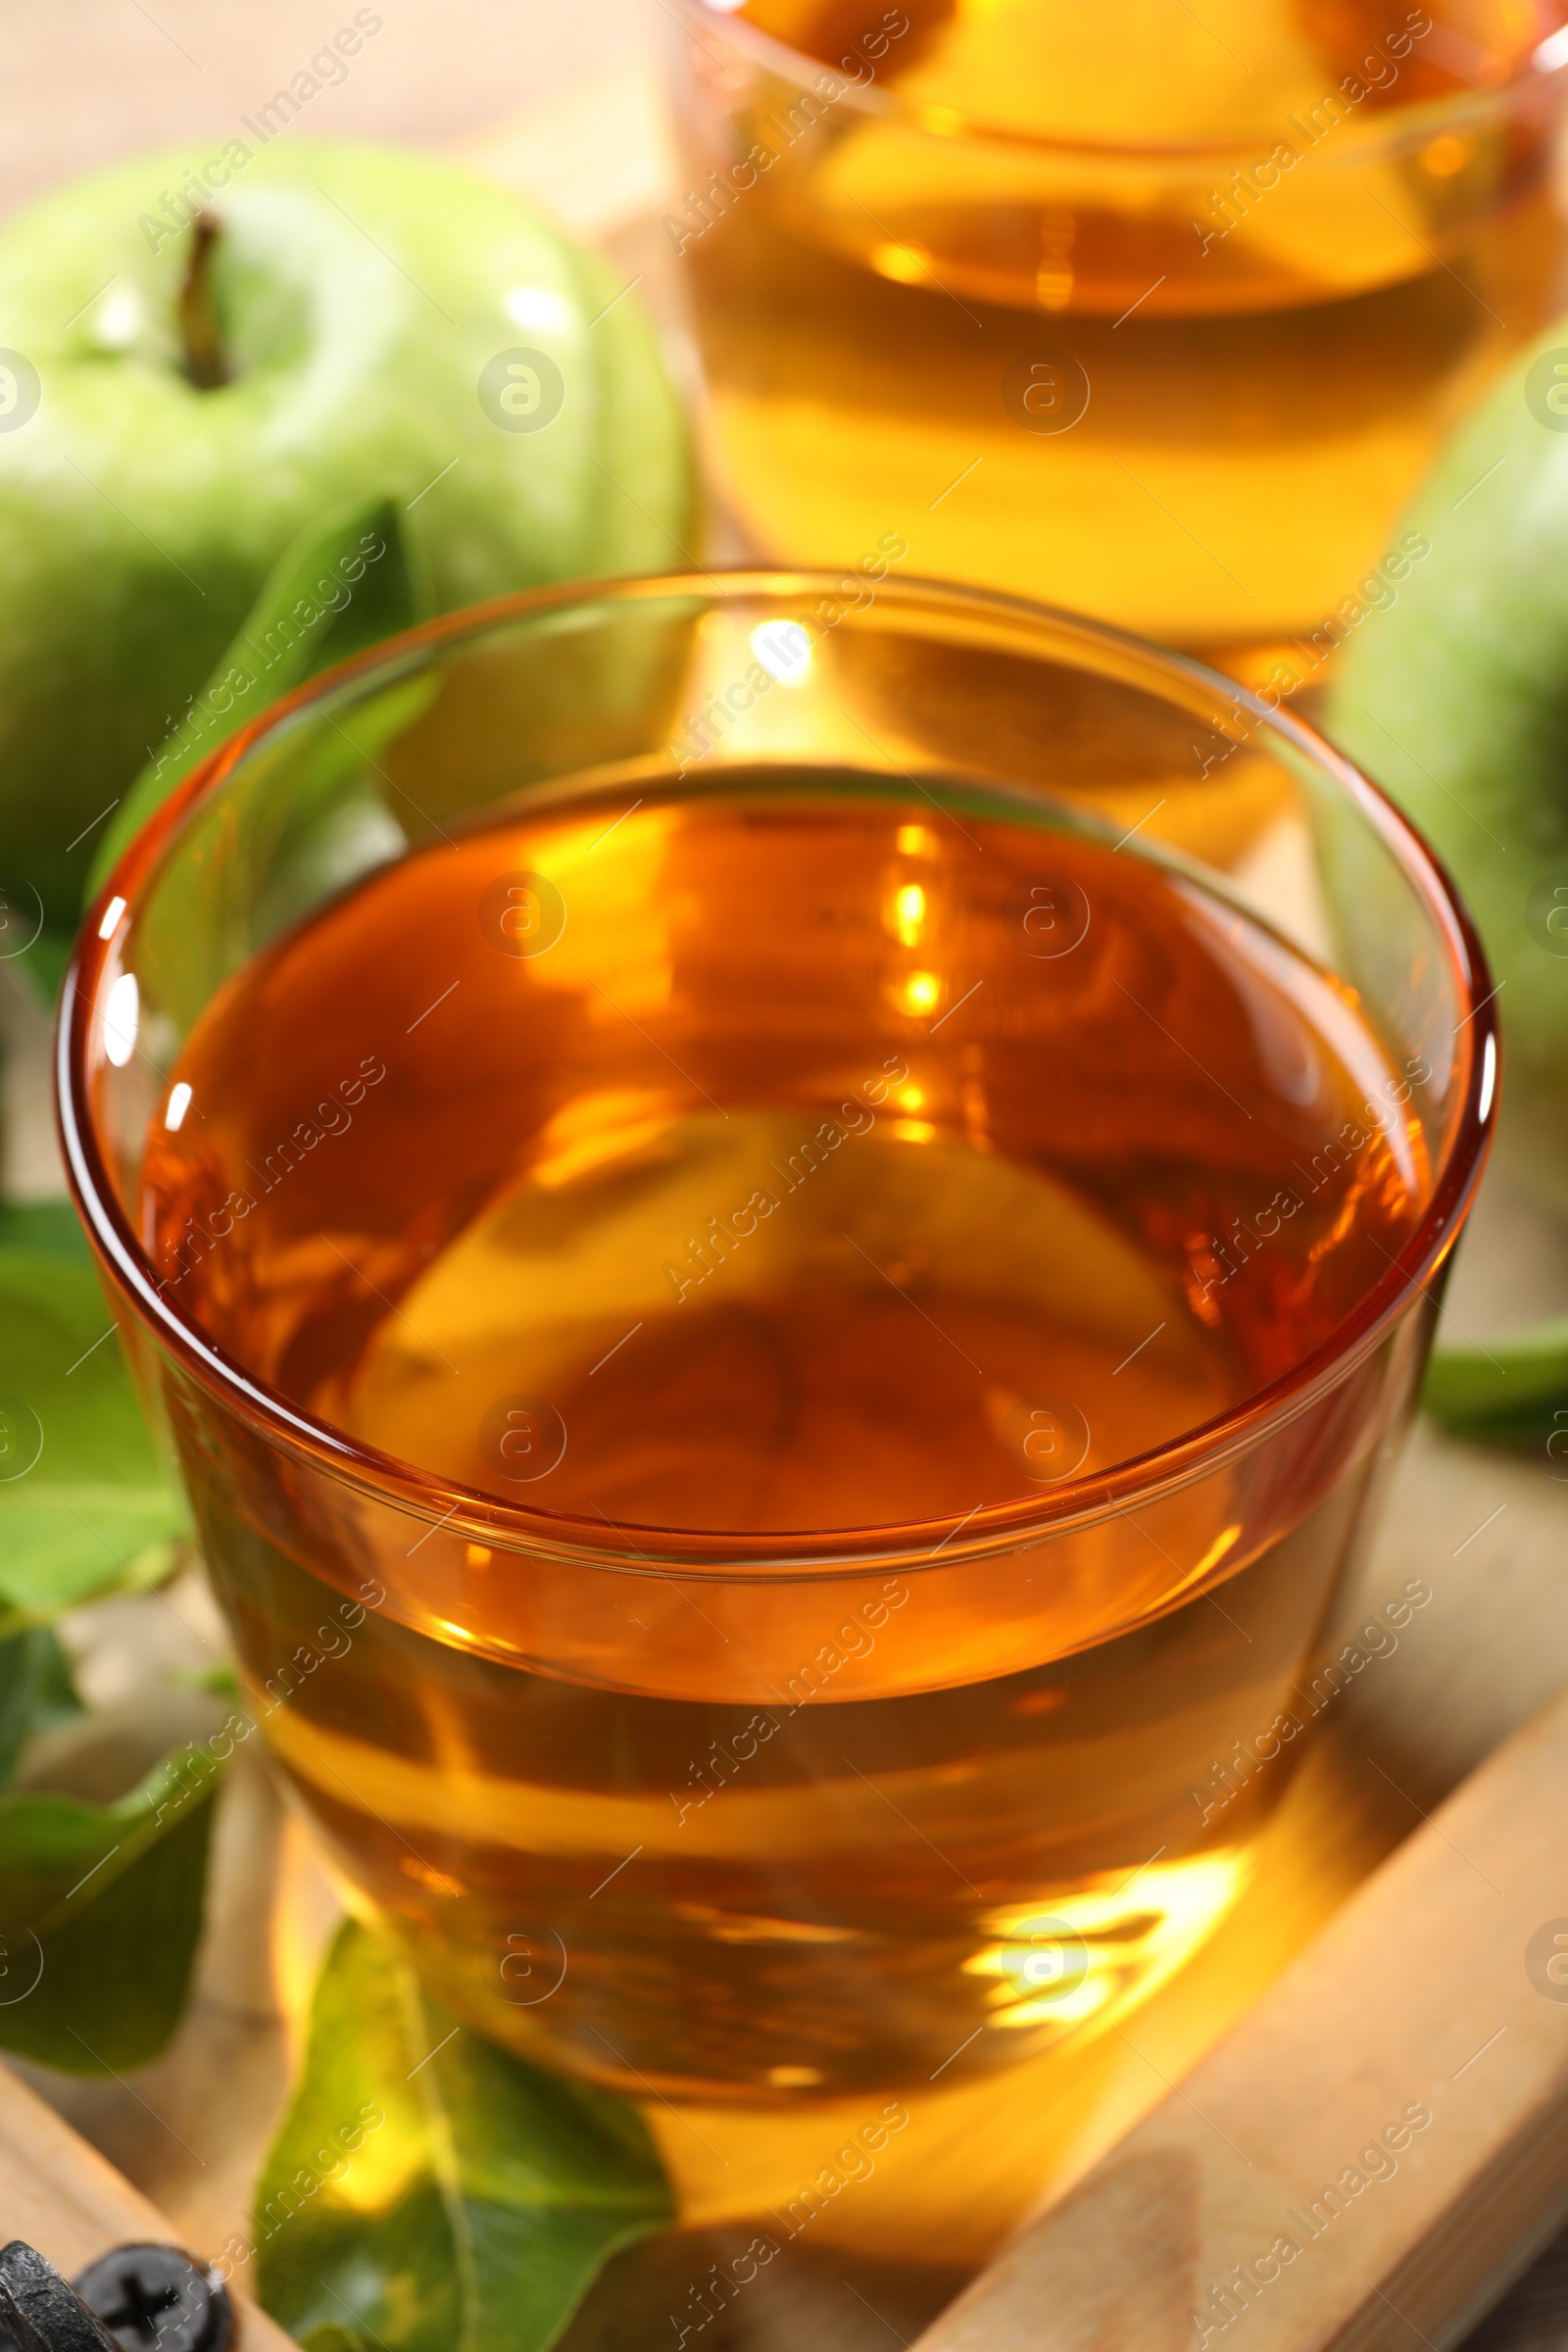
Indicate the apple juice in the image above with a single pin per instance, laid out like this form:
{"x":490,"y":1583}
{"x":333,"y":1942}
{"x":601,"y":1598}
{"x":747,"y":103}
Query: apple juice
{"x":1153,"y":311}
{"x":787,"y":1154}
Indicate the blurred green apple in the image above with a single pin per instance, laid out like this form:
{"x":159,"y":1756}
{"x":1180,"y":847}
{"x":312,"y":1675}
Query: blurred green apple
{"x":195,"y":369}
{"x":1455,"y":699}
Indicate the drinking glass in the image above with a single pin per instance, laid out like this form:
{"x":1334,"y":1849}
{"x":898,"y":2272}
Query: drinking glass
{"x":1030,"y":356}
{"x":688,"y":1795}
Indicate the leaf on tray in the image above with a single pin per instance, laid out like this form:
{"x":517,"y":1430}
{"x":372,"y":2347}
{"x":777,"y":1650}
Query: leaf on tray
{"x":100,"y":1909}
{"x":83,"y":1495}
{"x":37,"y":1692}
{"x":100,"y":1905}
{"x":429,"y":2190}
{"x":1513,"y":1392}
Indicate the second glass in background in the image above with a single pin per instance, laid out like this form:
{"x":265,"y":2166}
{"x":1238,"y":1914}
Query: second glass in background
{"x":1217,"y":297}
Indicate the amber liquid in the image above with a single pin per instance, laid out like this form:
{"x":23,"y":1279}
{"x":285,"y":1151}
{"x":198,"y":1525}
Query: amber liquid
{"x":792,"y":1154}
{"x":1189,"y":396}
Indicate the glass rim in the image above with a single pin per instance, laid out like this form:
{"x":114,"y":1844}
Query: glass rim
{"x":1388,"y":132}
{"x":728,"y":1555}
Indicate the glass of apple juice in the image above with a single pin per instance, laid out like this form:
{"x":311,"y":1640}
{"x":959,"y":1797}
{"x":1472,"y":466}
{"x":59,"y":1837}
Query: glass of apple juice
{"x":1034,"y":284}
{"x":817,"y":1307}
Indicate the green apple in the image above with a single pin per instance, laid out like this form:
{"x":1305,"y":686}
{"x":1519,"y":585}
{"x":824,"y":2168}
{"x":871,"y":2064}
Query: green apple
{"x":200,"y":355}
{"x":1456,"y":698}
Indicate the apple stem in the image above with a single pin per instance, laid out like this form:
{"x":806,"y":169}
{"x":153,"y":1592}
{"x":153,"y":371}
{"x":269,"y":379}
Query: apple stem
{"x":205,"y":364}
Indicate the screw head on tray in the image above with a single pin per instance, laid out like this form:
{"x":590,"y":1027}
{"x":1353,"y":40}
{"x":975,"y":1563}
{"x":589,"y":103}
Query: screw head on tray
{"x":135,"y":2298}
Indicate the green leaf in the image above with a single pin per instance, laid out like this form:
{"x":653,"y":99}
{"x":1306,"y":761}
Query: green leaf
{"x":48,"y":1228}
{"x":83,"y":1495}
{"x":100,"y":1905}
{"x":37,"y":1692}
{"x":428,"y":2193}
{"x":1514,"y":1393}
{"x":280,"y":645}
{"x":100,"y":1909}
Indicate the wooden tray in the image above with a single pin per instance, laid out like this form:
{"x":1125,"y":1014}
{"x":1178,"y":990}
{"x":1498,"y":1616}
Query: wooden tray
{"x":1370,"y":2157}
